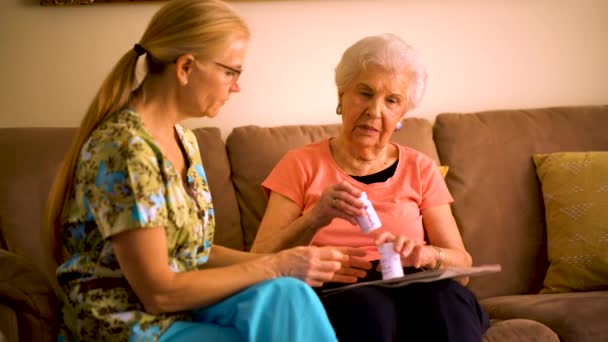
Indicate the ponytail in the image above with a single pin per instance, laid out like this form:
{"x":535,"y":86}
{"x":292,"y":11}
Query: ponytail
{"x":112,"y":96}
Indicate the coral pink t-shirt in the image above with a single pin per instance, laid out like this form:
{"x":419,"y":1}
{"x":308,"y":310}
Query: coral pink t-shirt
{"x":302,"y":175}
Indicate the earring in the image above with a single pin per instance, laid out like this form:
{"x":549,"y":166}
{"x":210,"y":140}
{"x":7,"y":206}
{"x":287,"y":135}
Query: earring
{"x":185,"y":82}
{"x":339,"y":109}
{"x":399,"y":126}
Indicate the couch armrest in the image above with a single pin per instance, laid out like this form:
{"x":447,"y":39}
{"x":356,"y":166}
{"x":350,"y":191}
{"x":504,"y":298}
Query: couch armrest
{"x":25,"y":289}
{"x":9,"y":328}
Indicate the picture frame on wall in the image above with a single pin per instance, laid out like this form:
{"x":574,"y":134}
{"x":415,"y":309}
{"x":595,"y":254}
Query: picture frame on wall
{"x":87,"y":2}
{"x":93,"y":2}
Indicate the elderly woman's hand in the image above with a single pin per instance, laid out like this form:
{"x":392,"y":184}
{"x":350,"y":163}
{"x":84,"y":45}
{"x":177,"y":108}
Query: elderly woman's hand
{"x":338,"y":200}
{"x":313,"y":265}
{"x":413,"y":253}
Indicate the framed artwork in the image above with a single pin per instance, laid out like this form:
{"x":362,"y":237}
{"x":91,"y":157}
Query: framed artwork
{"x":91,"y":2}
{"x":86,"y":2}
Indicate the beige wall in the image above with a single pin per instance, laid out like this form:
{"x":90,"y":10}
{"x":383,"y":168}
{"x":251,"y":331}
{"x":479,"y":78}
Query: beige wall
{"x":482,"y":54}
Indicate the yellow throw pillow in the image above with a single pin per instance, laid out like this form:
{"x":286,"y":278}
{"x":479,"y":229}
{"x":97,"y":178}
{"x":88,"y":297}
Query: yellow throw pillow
{"x":443,"y":169}
{"x":575,"y":192}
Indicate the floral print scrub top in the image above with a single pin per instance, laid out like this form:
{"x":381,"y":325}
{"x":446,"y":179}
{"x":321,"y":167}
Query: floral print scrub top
{"x":123,"y":182}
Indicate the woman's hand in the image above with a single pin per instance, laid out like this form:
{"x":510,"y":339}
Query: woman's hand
{"x":337,"y":200}
{"x":353,"y":268}
{"x":314,"y":265}
{"x":413,"y":253}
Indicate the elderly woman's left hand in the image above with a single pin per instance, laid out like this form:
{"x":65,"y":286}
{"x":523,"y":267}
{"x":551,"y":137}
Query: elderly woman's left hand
{"x":413,"y":253}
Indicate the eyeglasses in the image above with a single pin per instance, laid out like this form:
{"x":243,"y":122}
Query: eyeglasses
{"x":231,"y":73}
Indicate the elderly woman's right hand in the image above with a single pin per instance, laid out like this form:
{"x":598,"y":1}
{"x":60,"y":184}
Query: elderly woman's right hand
{"x":338,"y":200}
{"x":313,"y":265}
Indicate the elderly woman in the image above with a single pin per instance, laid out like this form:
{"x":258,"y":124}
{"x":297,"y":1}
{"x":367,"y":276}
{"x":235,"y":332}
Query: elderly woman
{"x":314,"y":200}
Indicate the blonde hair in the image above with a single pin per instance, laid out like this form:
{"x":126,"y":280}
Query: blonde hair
{"x":391,"y":53}
{"x":200,"y":27}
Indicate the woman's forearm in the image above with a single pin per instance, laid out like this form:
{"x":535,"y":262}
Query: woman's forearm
{"x":143,"y":259}
{"x":273,"y":238}
{"x":221,"y":256}
{"x":455,"y":258}
{"x":172,"y":292}
{"x":180,"y":291}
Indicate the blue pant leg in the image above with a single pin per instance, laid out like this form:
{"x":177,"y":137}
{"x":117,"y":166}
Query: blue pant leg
{"x":282,"y":309}
{"x":197,"y":331}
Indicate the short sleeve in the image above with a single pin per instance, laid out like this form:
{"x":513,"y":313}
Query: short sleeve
{"x":125,"y":188}
{"x":287,"y":178}
{"x":434,"y":190}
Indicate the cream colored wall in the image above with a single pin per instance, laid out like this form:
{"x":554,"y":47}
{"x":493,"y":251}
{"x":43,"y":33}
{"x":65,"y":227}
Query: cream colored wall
{"x":482,"y":54}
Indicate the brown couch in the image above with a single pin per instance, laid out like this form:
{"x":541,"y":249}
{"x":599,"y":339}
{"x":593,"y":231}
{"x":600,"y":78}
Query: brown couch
{"x":498,"y":206}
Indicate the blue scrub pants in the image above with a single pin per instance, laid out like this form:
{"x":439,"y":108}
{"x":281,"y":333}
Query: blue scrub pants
{"x":282,"y":309}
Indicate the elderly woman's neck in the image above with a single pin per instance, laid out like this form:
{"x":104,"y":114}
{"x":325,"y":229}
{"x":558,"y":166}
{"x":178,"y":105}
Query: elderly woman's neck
{"x":362,"y":160}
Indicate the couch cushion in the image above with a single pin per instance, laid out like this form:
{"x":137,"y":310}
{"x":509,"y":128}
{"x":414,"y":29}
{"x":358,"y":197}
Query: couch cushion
{"x":498,"y":203}
{"x":30,"y":159}
{"x":228,"y":230}
{"x":575,"y":193}
{"x":27,"y":290}
{"x":253,"y":151}
{"x":520,"y":330}
{"x":9,"y":327}
{"x":575,"y":317}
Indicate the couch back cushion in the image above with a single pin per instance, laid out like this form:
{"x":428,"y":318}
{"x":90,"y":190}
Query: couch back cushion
{"x":30,"y":159}
{"x":498,"y":199}
{"x":228,"y":230}
{"x":253,"y":151}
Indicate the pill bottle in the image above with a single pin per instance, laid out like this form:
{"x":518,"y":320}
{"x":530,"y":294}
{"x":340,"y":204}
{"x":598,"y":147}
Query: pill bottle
{"x":390,"y":261}
{"x":369,"y":221}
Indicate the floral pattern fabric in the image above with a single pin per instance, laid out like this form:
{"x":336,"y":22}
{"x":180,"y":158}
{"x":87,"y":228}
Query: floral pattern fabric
{"x":124,"y":182}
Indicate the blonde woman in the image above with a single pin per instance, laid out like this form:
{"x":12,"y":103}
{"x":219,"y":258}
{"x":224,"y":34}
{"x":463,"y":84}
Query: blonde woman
{"x":131,"y":219}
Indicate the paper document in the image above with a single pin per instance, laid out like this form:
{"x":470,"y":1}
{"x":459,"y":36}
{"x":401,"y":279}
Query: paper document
{"x":424,"y":277}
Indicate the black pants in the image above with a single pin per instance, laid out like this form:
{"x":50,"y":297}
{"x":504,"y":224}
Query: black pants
{"x":437,"y":311}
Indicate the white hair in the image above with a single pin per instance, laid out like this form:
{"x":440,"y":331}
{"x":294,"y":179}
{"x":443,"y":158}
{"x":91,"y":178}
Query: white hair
{"x":391,"y":53}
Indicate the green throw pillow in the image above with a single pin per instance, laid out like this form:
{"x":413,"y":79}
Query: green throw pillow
{"x":575,"y":192}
